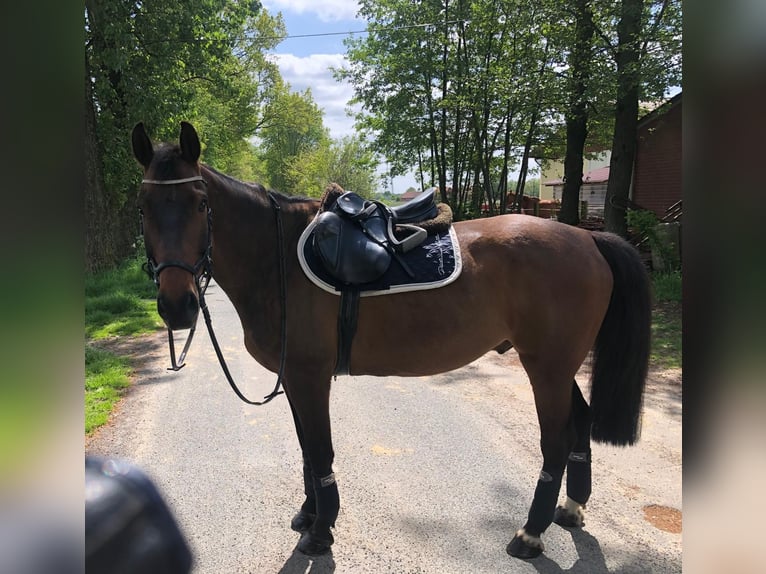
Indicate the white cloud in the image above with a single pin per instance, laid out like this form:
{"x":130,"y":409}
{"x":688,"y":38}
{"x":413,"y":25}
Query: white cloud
{"x":326,"y":10}
{"x":331,"y":95}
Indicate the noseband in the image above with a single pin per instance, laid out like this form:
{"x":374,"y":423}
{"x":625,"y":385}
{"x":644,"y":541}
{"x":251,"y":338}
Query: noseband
{"x":202,"y":280}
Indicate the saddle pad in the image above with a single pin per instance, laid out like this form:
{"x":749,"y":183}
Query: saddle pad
{"x":435,"y":262}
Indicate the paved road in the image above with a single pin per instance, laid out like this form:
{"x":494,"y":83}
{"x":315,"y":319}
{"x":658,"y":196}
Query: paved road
{"x":435,"y":473}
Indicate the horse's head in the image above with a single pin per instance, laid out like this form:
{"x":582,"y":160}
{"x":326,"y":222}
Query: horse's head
{"x":173,"y":204}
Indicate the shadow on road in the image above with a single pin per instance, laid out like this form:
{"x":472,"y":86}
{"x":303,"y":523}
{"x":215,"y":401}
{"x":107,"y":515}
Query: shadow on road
{"x":299,"y":563}
{"x":590,"y":561}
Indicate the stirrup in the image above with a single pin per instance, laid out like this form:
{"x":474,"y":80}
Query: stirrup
{"x":410,"y":242}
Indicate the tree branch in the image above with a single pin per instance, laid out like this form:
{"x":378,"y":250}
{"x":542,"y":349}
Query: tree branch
{"x":654,"y":27}
{"x":611,"y":48}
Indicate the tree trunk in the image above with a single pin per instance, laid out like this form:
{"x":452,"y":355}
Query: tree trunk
{"x":516,"y":208}
{"x":577,"y":114}
{"x":626,"y":118}
{"x":99,"y":246}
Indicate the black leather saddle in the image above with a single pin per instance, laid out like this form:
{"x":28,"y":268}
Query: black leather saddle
{"x":357,"y":239}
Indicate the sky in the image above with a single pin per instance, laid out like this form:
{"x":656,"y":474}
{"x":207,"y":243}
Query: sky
{"x":305,"y":62}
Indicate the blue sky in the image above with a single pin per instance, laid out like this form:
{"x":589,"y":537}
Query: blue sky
{"x":305,"y":62}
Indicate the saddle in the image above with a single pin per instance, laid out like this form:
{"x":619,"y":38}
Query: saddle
{"x":356,"y":239}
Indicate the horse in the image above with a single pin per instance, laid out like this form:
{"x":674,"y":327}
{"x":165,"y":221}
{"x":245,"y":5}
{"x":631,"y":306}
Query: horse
{"x":596,"y":288}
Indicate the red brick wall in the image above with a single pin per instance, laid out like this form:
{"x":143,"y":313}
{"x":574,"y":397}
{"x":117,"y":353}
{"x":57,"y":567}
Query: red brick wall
{"x":657,"y":175}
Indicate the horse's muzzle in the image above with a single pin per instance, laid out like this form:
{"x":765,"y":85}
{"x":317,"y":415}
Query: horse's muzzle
{"x":178,"y":312}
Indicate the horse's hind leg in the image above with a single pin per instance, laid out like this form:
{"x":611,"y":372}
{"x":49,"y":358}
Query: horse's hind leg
{"x":557,"y":436}
{"x":578,"y":467}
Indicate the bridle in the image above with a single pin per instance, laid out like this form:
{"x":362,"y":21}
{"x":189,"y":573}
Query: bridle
{"x":202,"y":271}
{"x":204,"y":263}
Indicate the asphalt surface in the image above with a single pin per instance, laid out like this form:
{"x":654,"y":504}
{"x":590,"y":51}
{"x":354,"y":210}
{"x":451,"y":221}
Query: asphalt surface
{"x":435,"y":473}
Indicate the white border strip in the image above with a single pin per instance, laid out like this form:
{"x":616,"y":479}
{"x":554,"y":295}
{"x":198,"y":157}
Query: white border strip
{"x":395,"y":289}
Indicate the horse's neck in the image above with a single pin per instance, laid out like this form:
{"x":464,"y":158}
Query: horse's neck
{"x":245,"y":240}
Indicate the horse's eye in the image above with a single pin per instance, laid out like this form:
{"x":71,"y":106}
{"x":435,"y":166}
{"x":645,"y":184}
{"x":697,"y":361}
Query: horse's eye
{"x":203,"y":205}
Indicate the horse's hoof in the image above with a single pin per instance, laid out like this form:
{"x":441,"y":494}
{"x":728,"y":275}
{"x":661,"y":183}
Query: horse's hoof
{"x":572,"y":515}
{"x":302,"y":521}
{"x":525,"y":546}
{"x":314,"y":545}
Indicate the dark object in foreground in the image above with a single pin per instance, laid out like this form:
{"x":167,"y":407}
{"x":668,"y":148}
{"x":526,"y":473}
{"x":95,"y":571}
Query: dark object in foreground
{"x":128,"y":526}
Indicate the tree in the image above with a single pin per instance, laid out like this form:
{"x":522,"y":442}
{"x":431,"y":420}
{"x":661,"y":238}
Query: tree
{"x":446,"y":89}
{"x":161,"y":61}
{"x":292,"y":128}
{"x":346,"y":162}
{"x":577,"y":110}
{"x":647,"y":58}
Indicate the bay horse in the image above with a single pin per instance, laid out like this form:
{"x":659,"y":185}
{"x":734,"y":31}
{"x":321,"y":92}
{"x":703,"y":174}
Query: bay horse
{"x":594,"y":285}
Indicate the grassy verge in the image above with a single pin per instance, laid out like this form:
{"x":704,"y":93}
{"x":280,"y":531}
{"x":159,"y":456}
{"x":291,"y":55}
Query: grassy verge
{"x":105,"y":377}
{"x":666,"y":321}
{"x":118,"y":302}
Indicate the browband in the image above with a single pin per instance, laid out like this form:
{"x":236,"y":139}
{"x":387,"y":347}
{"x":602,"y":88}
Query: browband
{"x":174,"y":181}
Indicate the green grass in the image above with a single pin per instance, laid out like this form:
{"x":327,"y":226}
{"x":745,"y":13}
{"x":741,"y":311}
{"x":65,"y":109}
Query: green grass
{"x":118,"y":302}
{"x":106,"y":375}
{"x":666,"y":321}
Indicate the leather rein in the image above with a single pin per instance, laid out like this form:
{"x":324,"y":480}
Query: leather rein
{"x":202,"y":271}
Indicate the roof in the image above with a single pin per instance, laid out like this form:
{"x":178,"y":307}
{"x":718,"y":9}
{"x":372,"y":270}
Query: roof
{"x":407,"y":195}
{"x":659,"y":110}
{"x":600,"y":175}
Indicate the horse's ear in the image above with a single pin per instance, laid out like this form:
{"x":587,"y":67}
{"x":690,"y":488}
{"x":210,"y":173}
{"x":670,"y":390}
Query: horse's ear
{"x":190,"y":148}
{"x":142,"y":145}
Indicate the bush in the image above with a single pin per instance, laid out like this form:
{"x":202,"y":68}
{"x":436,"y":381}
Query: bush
{"x":667,"y":286}
{"x":646,"y":224}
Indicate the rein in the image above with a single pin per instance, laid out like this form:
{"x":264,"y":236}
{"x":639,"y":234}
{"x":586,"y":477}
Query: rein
{"x":202,"y":280}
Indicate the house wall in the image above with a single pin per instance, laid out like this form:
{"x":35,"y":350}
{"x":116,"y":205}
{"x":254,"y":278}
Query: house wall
{"x":657,"y":169}
{"x":551,"y":170}
{"x":593,"y":194}
{"x":601,"y":160}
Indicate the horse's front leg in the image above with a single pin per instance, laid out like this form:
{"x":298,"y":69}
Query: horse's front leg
{"x":305,"y":517}
{"x":310,"y":401}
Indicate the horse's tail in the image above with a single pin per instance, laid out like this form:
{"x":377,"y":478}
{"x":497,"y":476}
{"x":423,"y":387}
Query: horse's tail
{"x":621,"y":352}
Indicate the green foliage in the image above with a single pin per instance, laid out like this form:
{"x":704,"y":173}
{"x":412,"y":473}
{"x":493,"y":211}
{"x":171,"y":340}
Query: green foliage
{"x":643,"y":221}
{"x":645,"y":224}
{"x":160,"y":62}
{"x":120,"y":301}
{"x":666,"y":336}
{"x":457,"y":91}
{"x":106,"y":375}
{"x":667,"y":286}
{"x":291,"y":133}
{"x":666,"y":320}
{"x":532,"y":187}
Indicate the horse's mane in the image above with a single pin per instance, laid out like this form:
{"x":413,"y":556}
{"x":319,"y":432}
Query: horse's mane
{"x":254,"y":187}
